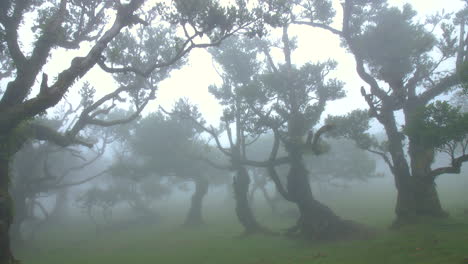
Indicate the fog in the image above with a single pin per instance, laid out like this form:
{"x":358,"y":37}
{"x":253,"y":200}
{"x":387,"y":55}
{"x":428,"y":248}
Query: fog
{"x":200,"y":131}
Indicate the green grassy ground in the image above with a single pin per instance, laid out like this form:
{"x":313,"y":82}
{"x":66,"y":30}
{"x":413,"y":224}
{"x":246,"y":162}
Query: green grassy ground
{"x":437,"y":242}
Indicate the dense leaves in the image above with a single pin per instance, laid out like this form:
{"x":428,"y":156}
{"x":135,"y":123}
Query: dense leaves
{"x":392,"y":44}
{"x":437,"y":124}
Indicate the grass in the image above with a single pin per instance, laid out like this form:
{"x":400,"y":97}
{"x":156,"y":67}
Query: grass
{"x":435,"y":242}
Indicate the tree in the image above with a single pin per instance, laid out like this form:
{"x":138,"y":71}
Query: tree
{"x":169,"y":147}
{"x":238,"y":60}
{"x":33,"y":178}
{"x":68,"y":24}
{"x":355,"y":164}
{"x":401,"y":62}
{"x":291,"y":101}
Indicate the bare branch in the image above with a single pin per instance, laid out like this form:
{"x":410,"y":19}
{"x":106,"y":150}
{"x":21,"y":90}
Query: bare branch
{"x":41,"y":132}
{"x":455,"y":168}
{"x":319,"y":25}
{"x":64,"y":185}
{"x":384,"y":157}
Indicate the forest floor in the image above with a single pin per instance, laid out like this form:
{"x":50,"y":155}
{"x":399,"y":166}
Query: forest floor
{"x":218,"y":242}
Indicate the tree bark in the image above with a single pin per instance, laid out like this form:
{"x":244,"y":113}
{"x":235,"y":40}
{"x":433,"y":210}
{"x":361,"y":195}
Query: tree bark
{"x":417,"y":199}
{"x":194,"y":216}
{"x":21,"y":214}
{"x":316,"y":221}
{"x":6,"y":210}
{"x":244,"y":213}
{"x":417,"y":195}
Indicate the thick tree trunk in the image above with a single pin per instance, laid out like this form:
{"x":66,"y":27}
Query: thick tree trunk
{"x":316,"y":221}
{"x":244,"y":213}
{"x":417,"y":194}
{"x":417,"y":198}
{"x":21,"y":214}
{"x":6,"y":211}
{"x":194,"y":216}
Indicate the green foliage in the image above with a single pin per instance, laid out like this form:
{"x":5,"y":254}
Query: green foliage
{"x":303,"y":91}
{"x":238,"y":58}
{"x":353,"y":126}
{"x":168,"y":144}
{"x":211,"y":18}
{"x":437,"y":124}
{"x":87,"y":94}
{"x":392,"y":43}
{"x":280,"y":12}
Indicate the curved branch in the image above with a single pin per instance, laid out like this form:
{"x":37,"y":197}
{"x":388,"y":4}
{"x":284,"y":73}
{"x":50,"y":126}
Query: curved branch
{"x":82,"y":181}
{"x":187,"y":46}
{"x":210,"y":130}
{"x":454,"y":169}
{"x":279,"y":186}
{"x":319,"y":25}
{"x":42,"y":132}
{"x":12,"y":116}
{"x":442,"y":86}
{"x":385,"y":158}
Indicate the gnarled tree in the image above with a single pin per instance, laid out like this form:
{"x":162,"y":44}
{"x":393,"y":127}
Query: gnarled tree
{"x":406,"y":66}
{"x":66,"y":24}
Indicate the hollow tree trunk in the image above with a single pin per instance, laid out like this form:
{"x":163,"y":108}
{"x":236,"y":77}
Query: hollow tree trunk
{"x":244,"y":213}
{"x":316,"y":221}
{"x":194,"y":216}
{"x":6,"y":211}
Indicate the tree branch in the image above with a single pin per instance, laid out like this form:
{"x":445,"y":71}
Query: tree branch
{"x":10,"y":117}
{"x":41,"y":132}
{"x":279,"y":186}
{"x":454,"y":169}
{"x":442,"y":86}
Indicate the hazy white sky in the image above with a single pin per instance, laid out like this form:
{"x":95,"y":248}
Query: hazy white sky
{"x":192,"y":81}
{"x":314,"y":45}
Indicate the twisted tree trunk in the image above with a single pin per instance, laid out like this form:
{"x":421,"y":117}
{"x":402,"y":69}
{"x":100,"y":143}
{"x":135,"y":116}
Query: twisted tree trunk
{"x":244,"y":213}
{"x":316,"y":221}
{"x":194,"y":216}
